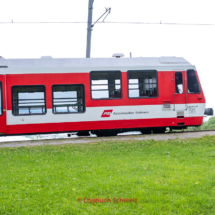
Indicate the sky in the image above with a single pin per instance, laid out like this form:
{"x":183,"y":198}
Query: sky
{"x":195,"y":43}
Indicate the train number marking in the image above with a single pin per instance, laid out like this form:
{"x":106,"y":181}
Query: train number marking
{"x":192,"y":109}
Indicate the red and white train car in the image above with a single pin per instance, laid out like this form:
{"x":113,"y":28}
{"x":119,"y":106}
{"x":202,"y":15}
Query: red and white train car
{"x":104,"y":96}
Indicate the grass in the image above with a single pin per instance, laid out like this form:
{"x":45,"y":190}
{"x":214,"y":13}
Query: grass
{"x":166,"y":177}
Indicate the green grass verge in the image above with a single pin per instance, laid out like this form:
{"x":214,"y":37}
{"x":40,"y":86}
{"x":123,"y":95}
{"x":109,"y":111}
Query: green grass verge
{"x":166,"y":177}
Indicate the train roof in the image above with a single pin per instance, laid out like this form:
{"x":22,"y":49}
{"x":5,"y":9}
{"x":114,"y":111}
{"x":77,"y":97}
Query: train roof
{"x":89,"y":64}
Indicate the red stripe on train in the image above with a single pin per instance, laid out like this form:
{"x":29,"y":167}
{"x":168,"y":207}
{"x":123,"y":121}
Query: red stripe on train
{"x":97,"y":125}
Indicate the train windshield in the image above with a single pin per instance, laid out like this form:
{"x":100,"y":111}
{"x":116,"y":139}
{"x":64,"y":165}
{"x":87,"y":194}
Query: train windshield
{"x":1,"y":99}
{"x":192,"y":82}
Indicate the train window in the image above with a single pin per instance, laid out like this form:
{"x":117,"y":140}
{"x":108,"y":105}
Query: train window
{"x":142,"y":84}
{"x":178,"y":83}
{"x":192,"y":83}
{"x":106,"y":85}
{"x":1,"y":102}
{"x":68,"y":99}
{"x":28,"y":100}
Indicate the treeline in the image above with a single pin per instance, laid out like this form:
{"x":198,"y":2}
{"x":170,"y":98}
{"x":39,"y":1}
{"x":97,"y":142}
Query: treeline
{"x":208,"y":125}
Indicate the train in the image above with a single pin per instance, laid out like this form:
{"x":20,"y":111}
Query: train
{"x":104,"y":96}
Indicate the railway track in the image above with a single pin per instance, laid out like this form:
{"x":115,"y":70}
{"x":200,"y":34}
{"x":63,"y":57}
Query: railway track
{"x":83,"y":139}
{"x":166,"y":133}
{"x":187,"y":131}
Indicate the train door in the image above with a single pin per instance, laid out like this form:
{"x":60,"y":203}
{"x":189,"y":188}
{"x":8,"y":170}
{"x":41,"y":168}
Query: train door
{"x":3,"y":126}
{"x":180,"y":92}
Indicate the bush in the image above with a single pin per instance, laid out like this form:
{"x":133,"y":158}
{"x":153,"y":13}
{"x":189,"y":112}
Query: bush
{"x":209,"y":125}
{"x":206,"y":125}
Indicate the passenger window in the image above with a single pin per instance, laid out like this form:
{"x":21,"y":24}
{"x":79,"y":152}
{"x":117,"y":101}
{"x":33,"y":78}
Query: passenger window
{"x":106,"y":85}
{"x":1,"y":100}
{"x":178,"y":82}
{"x":68,"y":99}
{"x":192,"y":83}
{"x":142,"y":84}
{"x":28,"y":100}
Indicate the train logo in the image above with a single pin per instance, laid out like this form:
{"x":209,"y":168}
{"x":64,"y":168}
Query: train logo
{"x":107,"y":113}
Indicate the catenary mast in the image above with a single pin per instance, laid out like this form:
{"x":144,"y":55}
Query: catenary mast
{"x":89,"y":28}
{"x":90,"y":25}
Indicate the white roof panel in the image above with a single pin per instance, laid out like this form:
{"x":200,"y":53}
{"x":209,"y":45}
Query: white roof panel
{"x":91,"y":62}
{"x":76,"y":65}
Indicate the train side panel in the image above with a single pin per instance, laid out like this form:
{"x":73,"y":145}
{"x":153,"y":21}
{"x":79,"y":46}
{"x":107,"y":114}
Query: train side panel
{"x":125,"y":113}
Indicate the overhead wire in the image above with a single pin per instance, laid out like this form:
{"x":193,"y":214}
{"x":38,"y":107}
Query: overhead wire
{"x":134,"y":23}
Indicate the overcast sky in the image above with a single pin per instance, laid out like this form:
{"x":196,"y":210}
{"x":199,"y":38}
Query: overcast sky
{"x":195,"y":43}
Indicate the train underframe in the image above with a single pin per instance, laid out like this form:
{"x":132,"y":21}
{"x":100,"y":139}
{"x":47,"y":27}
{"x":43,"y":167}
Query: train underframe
{"x":114,"y":132}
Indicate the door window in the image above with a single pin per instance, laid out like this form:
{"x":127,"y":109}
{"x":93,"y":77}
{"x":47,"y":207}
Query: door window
{"x":178,"y":82}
